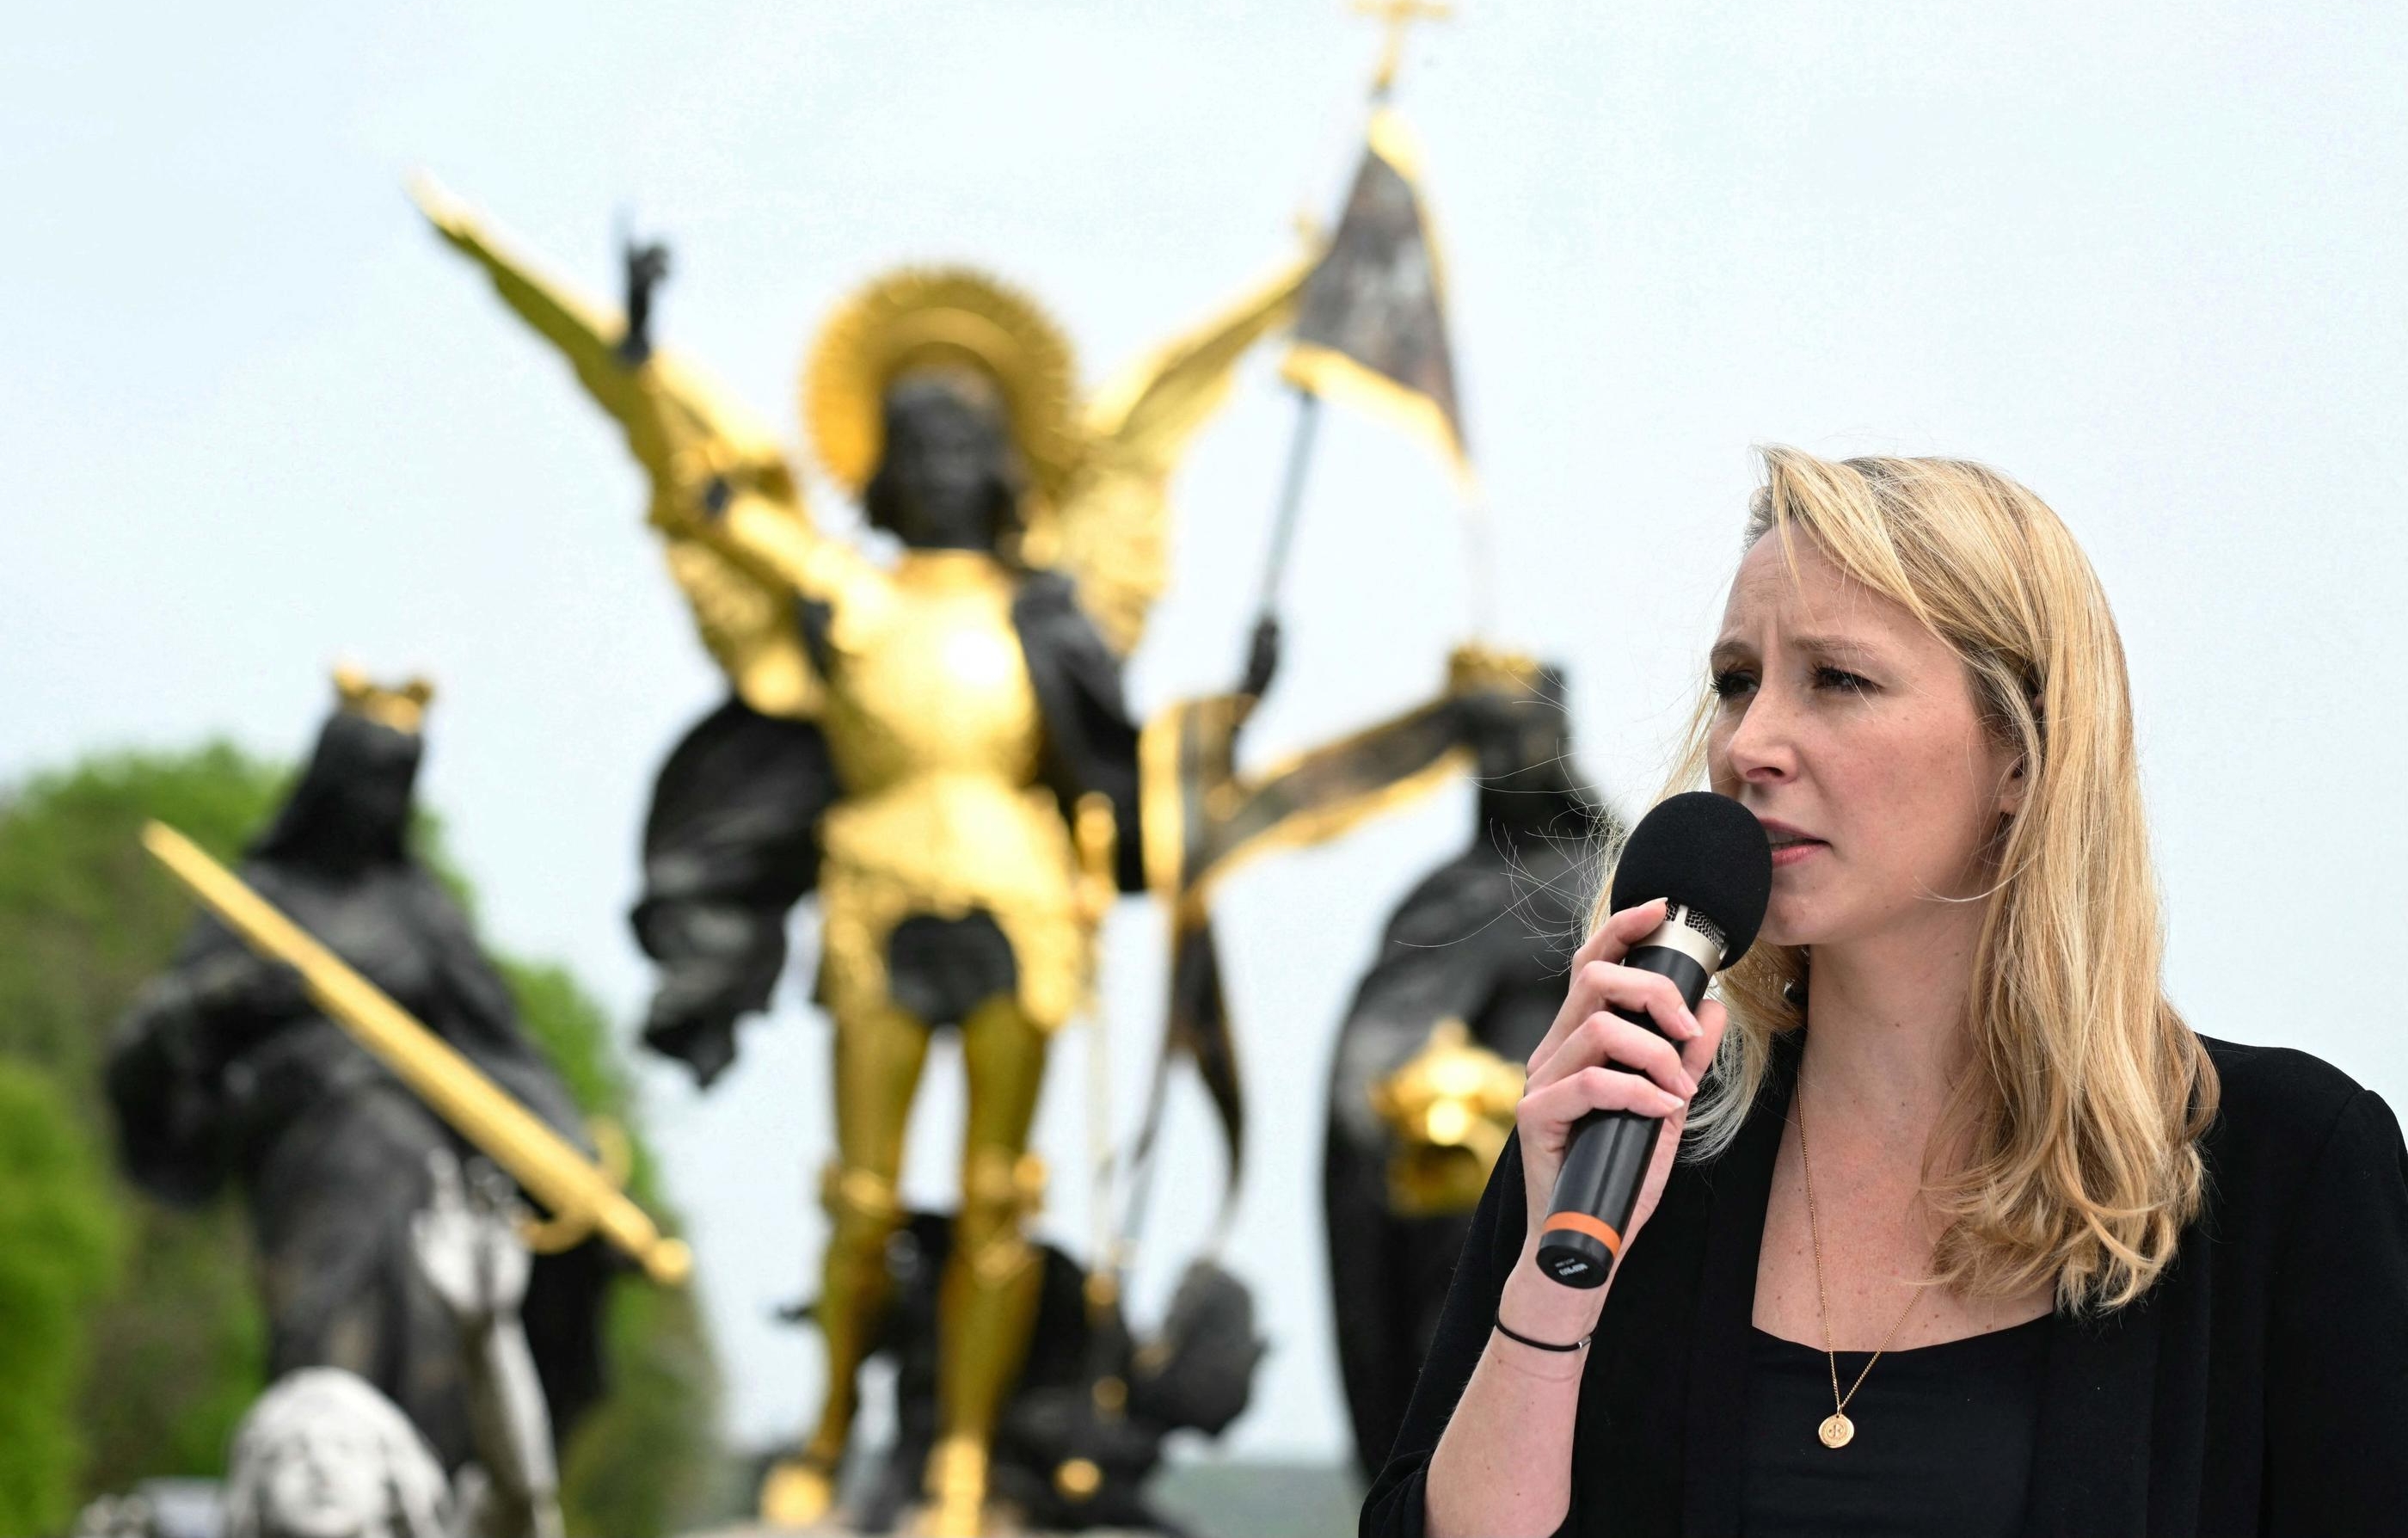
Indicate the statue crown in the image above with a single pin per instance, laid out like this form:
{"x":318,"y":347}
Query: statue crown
{"x":1475,"y":667}
{"x":402,"y":706}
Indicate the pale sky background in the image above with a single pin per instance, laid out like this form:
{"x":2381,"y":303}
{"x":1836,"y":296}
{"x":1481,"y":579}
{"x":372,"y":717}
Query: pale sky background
{"x":2152,"y":259}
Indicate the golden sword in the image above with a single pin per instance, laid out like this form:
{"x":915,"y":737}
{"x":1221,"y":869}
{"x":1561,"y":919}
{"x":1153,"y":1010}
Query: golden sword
{"x":580,"y":1195}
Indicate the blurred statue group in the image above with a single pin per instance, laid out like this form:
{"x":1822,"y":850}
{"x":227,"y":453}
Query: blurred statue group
{"x":936,"y":748}
{"x":939,"y":747}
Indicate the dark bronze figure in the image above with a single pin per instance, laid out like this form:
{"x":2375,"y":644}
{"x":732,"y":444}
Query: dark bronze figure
{"x":1429,"y":1065}
{"x":224,"y":1070}
{"x":1083,"y":1429}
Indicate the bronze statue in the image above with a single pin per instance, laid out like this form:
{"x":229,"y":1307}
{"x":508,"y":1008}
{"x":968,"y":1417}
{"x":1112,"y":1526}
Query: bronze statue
{"x":226,"y":1069}
{"x":915,"y":741}
{"x":1083,"y":1429}
{"x":1428,"y":1065}
{"x":1205,"y":818}
{"x":322,"y":1452}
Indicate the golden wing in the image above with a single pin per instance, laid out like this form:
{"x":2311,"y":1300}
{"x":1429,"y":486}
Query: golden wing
{"x":723,"y":496}
{"x":1112,"y":530}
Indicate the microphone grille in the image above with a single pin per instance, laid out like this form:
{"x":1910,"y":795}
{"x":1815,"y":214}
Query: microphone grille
{"x":1706,"y":927}
{"x":1706,"y":853}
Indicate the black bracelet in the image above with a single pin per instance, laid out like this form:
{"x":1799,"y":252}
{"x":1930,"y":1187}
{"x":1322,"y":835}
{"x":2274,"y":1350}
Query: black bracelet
{"x":1512,"y":1335}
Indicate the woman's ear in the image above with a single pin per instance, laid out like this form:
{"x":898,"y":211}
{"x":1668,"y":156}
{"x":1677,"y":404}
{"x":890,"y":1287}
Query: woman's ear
{"x":2015,"y":782}
{"x":2010,"y":790}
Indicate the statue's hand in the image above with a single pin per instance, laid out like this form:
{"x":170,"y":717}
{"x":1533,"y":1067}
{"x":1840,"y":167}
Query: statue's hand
{"x":221,"y":1007}
{"x":646,"y":264}
{"x":240,"y":983}
{"x":466,"y":1242}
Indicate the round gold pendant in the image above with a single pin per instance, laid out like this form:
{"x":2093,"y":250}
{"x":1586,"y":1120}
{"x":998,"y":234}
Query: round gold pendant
{"x":1838,"y":1430}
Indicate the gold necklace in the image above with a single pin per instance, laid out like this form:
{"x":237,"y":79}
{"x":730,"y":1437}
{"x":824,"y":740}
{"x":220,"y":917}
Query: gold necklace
{"x":1837,"y":1429}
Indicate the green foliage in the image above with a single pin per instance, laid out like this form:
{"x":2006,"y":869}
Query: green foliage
{"x":85,"y":915}
{"x":647,"y":1460}
{"x":60,"y":1239}
{"x":85,"y":918}
{"x":171,"y":1356}
{"x":569,"y":1028}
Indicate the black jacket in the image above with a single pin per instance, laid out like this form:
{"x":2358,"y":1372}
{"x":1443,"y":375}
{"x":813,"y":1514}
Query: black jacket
{"x":2260,"y":1387}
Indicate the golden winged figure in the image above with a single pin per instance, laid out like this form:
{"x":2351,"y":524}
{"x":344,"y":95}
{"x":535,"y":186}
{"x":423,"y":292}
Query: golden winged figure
{"x":915,"y":740}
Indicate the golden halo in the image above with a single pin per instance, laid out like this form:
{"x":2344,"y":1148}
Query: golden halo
{"x":916,"y":316}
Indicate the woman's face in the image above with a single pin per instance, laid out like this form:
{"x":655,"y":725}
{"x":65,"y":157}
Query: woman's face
{"x":1851,"y":731}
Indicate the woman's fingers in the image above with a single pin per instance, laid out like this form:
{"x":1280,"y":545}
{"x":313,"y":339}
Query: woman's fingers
{"x":1620,"y":931}
{"x":1608,"y":945}
{"x":1545,"y":1115}
{"x":1603,"y":1038}
{"x":1601,"y":985}
{"x":1698,"y":1052}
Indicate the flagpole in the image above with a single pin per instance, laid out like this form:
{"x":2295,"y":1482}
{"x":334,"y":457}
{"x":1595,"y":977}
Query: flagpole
{"x":1136,"y":1173}
{"x":1299,"y":459}
{"x":1396,"y":16}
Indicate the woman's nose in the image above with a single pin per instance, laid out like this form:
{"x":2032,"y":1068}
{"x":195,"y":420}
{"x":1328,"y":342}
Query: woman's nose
{"x":1762,"y":748}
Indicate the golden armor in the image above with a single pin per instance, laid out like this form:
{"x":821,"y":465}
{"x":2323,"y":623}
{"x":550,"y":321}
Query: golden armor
{"x":919,"y":682}
{"x":1450,"y":1108}
{"x":936,"y":734}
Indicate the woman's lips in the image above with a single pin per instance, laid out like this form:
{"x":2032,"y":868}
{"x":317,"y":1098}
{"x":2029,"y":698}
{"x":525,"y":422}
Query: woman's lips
{"x":1789,"y":845}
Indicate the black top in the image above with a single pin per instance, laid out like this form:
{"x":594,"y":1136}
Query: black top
{"x":1944,"y":1438}
{"x":2260,"y":1387}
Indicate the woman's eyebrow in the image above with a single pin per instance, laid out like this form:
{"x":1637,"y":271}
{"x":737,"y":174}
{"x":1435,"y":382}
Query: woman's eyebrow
{"x":1835,"y":646}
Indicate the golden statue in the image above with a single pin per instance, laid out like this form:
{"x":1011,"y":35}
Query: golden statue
{"x":912,"y":738}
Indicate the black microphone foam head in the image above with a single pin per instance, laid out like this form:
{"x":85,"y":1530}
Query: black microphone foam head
{"x":1703,"y":851}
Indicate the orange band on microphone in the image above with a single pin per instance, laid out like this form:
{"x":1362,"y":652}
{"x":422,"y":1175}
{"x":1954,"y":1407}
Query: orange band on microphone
{"x":1581,"y":1223}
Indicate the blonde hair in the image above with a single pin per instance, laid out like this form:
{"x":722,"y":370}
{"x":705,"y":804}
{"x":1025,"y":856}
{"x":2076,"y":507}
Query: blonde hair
{"x":2087,"y":1093}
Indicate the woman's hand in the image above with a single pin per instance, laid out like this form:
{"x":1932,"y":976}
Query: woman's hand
{"x":1592,"y":1060}
{"x":1504,"y":1462}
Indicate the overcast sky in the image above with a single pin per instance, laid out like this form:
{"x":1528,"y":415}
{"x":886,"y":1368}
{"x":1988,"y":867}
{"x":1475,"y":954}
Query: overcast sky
{"x":2145,"y":257}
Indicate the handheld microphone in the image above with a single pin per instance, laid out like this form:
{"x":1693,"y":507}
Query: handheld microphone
{"x":1708,"y":858}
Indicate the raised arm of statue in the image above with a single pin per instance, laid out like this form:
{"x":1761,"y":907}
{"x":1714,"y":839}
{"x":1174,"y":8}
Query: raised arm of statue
{"x":1111,"y":533}
{"x":723,"y":497}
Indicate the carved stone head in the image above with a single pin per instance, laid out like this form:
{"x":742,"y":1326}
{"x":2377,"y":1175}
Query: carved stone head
{"x":323,"y":1455}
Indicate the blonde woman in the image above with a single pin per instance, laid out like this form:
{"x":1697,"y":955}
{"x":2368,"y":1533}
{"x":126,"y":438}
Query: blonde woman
{"x":1967,"y":1232}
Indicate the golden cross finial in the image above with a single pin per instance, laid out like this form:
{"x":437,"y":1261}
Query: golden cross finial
{"x":1399,"y":15}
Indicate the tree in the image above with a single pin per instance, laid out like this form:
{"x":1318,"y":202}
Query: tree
{"x":173,"y":1353}
{"x":60,"y":1235}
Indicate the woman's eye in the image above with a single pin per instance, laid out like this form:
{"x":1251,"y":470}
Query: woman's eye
{"x":1731,"y":681}
{"x":1842,"y":679}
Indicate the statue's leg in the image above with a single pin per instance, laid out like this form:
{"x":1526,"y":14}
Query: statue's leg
{"x":879,"y":1055}
{"x":988,"y":1300}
